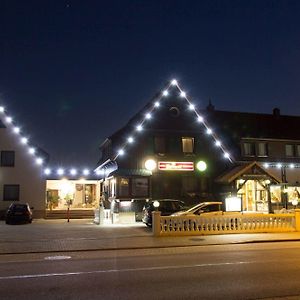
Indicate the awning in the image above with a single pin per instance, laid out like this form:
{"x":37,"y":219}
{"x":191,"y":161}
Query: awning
{"x":247,"y":171}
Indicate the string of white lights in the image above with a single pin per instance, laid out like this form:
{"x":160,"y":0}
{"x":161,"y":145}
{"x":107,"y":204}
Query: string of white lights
{"x":191,"y":106}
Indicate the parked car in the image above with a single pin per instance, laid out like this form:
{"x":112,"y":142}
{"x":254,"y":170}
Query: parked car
{"x":18,"y":213}
{"x":203,"y":209}
{"x":166,"y":207}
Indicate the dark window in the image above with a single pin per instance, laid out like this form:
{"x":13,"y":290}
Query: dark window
{"x":159,"y":144}
{"x":11,"y":192}
{"x":7,"y":158}
{"x":212,"y":207}
{"x":262,"y":149}
{"x":139,"y":187}
{"x":249,"y":149}
{"x":289,"y":150}
{"x":187,"y":144}
{"x":188,"y":184}
{"x":298,"y":150}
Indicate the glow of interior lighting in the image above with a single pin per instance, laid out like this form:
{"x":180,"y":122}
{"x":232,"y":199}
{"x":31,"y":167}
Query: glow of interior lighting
{"x":278,"y":166}
{"x":200,"y":119}
{"x":86,"y":172}
{"x":226,"y":155}
{"x":165,"y":93}
{"x":191,"y":106}
{"x":8,"y":119}
{"x":39,"y":161}
{"x":16,"y":130}
{"x":218,"y":143}
{"x":60,"y":171}
{"x":47,"y":171}
{"x":139,"y":128}
{"x":1,"y":109}
{"x":208,"y":131}
{"x":24,"y":140}
{"x":174,"y":82}
{"x":73,"y":171}
{"x":292,"y":166}
{"x":156,"y":104}
{"x":121,"y":152}
{"x":182,"y":94}
{"x":31,"y":150}
{"x":130,"y":140}
{"x":148,"y":116}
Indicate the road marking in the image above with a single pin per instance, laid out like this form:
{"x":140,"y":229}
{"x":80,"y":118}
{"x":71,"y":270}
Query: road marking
{"x":122,"y":270}
{"x":57,"y":257}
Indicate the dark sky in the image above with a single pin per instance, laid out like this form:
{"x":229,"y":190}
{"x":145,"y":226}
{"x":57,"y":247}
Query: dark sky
{"x":73,"y":72}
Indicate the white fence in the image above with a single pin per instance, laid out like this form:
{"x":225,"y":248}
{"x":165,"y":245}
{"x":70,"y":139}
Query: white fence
{"x":223,"y":224}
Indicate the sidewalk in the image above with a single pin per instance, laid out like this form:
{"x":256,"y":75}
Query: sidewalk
{"x":78,"y":235}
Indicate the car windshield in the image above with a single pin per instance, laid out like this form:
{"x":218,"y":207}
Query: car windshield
{"x":170,"y":205}
{"x":19,"y":207}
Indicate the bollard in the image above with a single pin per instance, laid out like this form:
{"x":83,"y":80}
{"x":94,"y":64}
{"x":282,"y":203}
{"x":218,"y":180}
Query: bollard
{"x":156,"y":223}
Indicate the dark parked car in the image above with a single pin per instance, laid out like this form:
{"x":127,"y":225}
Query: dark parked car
{"x":18,"y":213}
{"x":166,"y":207}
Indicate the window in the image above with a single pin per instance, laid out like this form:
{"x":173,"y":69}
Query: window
{"x":289,"y":150}
{"x":298,"y":150}
{"x":249,"y":149}
{"x":11,"y":192}
{"x":262,"y":149}
{"x":139,"y":187}
{"x":7,"y":158}
{"x":159,"y":144}
{"x":124,"y":187}
{"x":187,"y":144}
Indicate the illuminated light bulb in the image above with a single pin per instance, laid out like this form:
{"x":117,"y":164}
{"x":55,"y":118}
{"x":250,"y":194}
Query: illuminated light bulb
{"x":86,"y":172}
{"x":130,"y":140}
{"x":1,"y":109}
{"x":148,"y":116}
{"x":208,"y":131}
{"x":174,"y":82}
{"x":292,"y":166}
{"x":183,"y":94}
{"x":8,"y":119}
{"x":218,"y":143}
{"x":121,"y":152}
{"x":60,"y":171}
{"x":39,"y":161}
{"x":266,"y":165}
{"x":226,"y":155}
{"x":191,"y":106}
{"x":156,"y":104}
{"x":24,"y":140}
{"x":200,"y":119}
{"x":16,"y":130}
{"x":278,"y":166}
{"x":31,"y":150}
{"x":47,"y":171}
{"x":165,"y":93}
{"x":73,"y":171}
{"x":139,"y":128}
{"x":150,"y":164}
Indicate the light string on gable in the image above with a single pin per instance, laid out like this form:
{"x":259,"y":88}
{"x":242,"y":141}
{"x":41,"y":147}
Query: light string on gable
{"x":280,"y":165}
{"x":9,"y":123}
{"x":156,"y":104}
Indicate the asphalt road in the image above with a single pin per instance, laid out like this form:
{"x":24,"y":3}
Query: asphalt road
{"x":249,"y":271}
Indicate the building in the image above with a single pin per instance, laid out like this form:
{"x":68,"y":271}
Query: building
{"x":171,"y":149}
{"x":21,"y":177}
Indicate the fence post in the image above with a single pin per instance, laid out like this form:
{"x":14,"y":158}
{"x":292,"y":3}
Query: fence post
{"x":156,"y":223}
{"x":297,"y":219}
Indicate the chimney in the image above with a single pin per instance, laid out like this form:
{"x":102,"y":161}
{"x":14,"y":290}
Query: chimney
{"x":210,"y":107}
{"x":276,"y":112}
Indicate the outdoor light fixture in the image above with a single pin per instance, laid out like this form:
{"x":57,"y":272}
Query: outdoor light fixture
{"x":60,"y":172}
{"x":191,"y":106}
{"x":86,"y":172}
{"x":156,"y":204}
{"x":73,"y":172}
{"x":31,"y":150}
{"x":200,"y":119}
{"x":150,"y":164}
{"x":130,"y":140}
{"x":183,"y":94}
{"x":47,"y":171}
{"x":201,"y":165}
{"x":24,"y":140}
{"x":165,"y":93}
{"x":266,"y":165}
{"x":8,"y":119}
{"x":139,"y":128}
{"x":218,"y":143}
{"x":16,"y":129}
{"x":148,"y":116}
{"x":1,"y":109}
{"x":226,"y":155}
{"x":121,"y":152}
{"x":278,"y":166}
{"x":174,"y":82}
{"x":208,"y":131}
{"x":39,"y":161}
{"x":156,"y":104}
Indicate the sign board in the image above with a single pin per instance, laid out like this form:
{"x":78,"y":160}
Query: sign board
{"x":176,"y":166}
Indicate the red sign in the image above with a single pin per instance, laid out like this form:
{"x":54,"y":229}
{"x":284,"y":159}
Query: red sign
{"x":176,"y":166}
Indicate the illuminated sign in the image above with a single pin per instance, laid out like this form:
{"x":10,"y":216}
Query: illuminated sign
{"x":176,"y":166}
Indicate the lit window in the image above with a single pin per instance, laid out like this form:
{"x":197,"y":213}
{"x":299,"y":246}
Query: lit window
{"x":262,"y":149}
{"x":11,"y":192}
{"x":289,"y":150}
{"x":7,"y":158}
{"x":123,"y":187}
{"x":249,"y":149}
{"x":187,"y":144}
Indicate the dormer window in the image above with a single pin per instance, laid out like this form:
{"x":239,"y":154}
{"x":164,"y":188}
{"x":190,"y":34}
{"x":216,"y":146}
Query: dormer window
{"x":187,"y":145}
{"x":249,"y":149}
{"x":262,"y":149}
{"x":289,"y":150}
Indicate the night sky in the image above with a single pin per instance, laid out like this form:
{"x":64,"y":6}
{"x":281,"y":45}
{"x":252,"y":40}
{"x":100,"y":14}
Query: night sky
{"x":73,"y":72}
